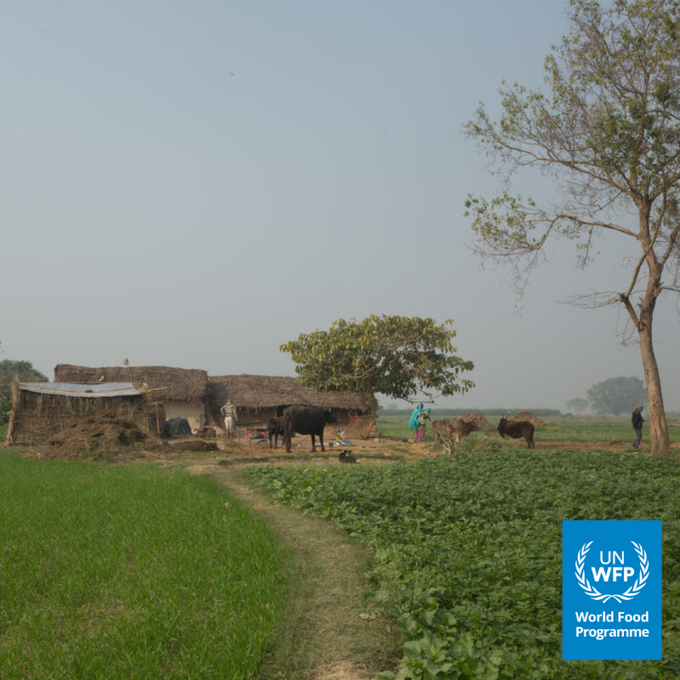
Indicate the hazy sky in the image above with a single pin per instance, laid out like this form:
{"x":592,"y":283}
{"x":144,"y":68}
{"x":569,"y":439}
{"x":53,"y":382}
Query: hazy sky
{"x":194,"y":183}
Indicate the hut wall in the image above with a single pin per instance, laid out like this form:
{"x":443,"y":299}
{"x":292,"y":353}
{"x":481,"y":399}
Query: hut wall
{"x":253,"y":417}
{"x":37,"y":417}
{"x":154,"y":419}
{"x":192,"y":411}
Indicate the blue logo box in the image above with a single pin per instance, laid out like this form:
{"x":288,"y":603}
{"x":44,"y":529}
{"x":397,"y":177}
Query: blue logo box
{"x":611,"y":590}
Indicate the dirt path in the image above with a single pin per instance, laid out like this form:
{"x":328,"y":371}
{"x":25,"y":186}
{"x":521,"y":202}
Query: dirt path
{"x":328,"y":630}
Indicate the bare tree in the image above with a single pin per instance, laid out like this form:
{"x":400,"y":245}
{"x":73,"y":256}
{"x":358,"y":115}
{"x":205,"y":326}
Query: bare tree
{"x":608,"y":133}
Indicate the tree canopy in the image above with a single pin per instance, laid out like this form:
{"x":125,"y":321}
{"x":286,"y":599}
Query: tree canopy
{"x":617,"y":395}
{"x":9,"y":370}
{"x":397,"y":356}
{"x":607,"y":131}
{"x":579,"y":404}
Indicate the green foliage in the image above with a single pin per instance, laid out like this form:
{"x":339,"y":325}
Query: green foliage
{"x":396,"y":356}
{"x":467,"y":550}
{"x":617,"y":395}
{"x":608,"y":128}
{"x":112,"y":572}
{"x":9,"y":370}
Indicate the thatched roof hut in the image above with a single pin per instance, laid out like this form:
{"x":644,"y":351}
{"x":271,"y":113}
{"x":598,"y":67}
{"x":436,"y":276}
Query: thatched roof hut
{"x":260,"y":397}
{"x":183,"y":392}
{"x":41,"y":410}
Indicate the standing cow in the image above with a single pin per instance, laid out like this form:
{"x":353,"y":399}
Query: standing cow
{"x":305,"y":420}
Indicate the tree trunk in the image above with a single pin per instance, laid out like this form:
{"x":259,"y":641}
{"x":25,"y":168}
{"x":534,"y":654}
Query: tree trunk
{"x":658,"y":427}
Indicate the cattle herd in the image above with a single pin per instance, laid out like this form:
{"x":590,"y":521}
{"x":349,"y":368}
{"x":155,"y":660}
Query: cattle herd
{"x":311,"y":420}
{"x":457,"y":428}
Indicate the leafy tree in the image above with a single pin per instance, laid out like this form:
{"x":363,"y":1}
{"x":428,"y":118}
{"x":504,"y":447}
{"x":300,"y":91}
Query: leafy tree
{"x":396,"y":356}
{"x":617,"y":395}
{"x":608,"y":133}
{"x":24,"y":371}
{"x":579,"y":404}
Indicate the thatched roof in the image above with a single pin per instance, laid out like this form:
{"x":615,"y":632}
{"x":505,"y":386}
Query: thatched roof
{"x":161,"y":382}
{"x":264,"y":391}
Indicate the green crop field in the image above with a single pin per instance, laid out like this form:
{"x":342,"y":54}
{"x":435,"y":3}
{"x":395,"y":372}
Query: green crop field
{"x":467,"y":549}
{"x":130,"y":572}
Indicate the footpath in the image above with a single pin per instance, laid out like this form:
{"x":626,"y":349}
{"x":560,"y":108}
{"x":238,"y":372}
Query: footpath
{"x":328,"y":630}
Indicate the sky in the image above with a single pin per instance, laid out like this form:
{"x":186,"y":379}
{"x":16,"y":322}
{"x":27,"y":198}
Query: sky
{"x":193,"y":184}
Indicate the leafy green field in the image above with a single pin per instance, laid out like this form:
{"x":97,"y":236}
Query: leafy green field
{"x":130,"y":572}
{"x":467,"y":550}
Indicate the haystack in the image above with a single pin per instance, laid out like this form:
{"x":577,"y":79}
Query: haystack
{"x":98,"y":432}
{"x":478,"y":419}
{"x":527,"y":415}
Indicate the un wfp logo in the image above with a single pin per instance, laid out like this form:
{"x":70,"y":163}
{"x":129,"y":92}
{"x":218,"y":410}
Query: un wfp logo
{"x":613,"y":572}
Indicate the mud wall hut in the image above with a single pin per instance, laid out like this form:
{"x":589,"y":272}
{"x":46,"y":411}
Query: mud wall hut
{"x":257,"y":398}
{"x":183,"y":392}
{"x":42,"y":410}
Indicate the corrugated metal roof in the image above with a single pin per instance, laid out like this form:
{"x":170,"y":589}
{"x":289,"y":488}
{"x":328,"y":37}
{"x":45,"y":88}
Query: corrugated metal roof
{"x":98,"y":391}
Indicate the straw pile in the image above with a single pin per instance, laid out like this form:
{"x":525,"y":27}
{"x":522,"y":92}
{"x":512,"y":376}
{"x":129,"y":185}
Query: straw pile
{"x":527,"y":415}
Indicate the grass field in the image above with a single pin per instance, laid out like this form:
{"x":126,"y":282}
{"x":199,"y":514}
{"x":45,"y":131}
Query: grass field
{"x":467,"y":549}
{"x":564,"y":429}
{"x":130,"y":572}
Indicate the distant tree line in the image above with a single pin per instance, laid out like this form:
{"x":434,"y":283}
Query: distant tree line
{"x":614,"y":395}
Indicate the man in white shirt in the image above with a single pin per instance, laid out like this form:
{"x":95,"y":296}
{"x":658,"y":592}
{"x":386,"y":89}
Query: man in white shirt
{"x":230,"y":418}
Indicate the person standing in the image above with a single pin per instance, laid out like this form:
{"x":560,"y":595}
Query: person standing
{"x":422,"y":424}
{"x":414,"y":421}
{"x":230,"y":418}
{"x":415,"y":417}
{"x":637,"y":421}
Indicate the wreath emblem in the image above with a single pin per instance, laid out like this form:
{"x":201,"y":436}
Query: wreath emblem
{"x":595,"y":593}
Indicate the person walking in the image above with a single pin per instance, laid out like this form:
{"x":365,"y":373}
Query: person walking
{"x":637,"y":421}
{"x":230,"y":418}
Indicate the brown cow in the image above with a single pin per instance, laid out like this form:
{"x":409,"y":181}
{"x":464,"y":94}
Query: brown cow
{"x":458,"y":427}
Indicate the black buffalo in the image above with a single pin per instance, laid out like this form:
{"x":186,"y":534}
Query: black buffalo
{"x":274,"y":429}
{"x":517,"y":429}
{"x":305,"y":420}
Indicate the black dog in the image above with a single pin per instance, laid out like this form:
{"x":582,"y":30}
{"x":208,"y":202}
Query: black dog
{"x":346,"y":457}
